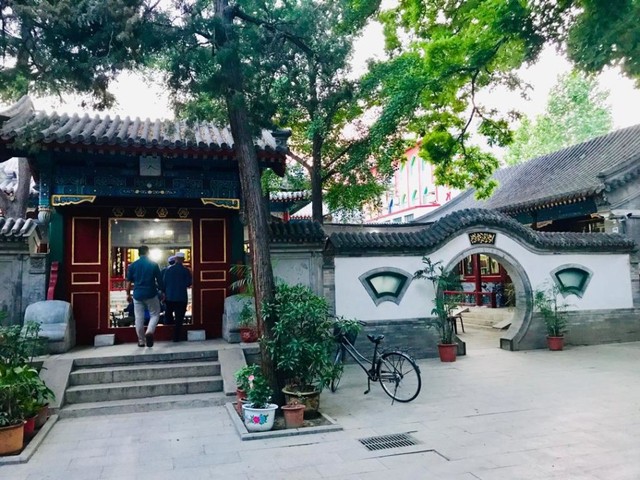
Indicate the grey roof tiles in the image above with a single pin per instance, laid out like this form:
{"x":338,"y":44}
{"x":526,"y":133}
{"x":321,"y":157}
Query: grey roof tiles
{"x":54,"y":128}
{"x":425,"y":237}
{"x":570,"y":174}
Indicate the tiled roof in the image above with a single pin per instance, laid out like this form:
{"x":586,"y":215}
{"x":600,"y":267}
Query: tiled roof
{"x":16,"y":228}
{"x":298,"y":231}
{"x":52,"y":129}
{"x":429,"y":237}
{"x":567,"y":175}
{"x":289,"y":196}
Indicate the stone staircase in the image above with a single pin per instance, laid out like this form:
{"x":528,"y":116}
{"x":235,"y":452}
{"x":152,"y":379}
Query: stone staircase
{"x":143,"y":382}
{"x":488,"y":317}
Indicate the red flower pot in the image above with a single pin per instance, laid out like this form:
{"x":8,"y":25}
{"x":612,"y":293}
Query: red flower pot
{"x":240,"y":396}
{"x":293,"y":415}
{"x":248,"y":335}
{"x":555,"y":343}
{"x":30,"y":427}
{"x":42,"y":416}
{"x":448,"y":352}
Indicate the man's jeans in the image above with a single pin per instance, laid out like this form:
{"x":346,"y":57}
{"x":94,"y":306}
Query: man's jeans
{"x":153,"y":305}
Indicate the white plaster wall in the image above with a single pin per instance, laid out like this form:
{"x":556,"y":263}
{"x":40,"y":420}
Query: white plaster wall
{"x":609,"y":288}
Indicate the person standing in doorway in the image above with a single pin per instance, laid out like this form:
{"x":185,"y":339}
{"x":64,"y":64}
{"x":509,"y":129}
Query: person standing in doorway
{"x":177,"y":279}
{"x":144,"y":275}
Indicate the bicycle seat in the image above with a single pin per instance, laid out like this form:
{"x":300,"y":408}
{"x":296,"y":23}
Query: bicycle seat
{"x":375,"y":338}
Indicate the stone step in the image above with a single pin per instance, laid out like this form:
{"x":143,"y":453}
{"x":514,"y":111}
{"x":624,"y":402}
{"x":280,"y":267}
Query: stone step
{"x":166,"y":402}
{"x":144,"y":371}
{"x":146,"y":356}
{"x":486,"y":317}
{"x":142,"y":389}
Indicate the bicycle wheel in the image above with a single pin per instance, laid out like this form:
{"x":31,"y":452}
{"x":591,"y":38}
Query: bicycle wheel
{"x":337,"y":363}
{"x":399,"y":376}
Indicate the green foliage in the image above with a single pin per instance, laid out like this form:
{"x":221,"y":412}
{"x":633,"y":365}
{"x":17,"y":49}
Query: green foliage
{"x":22,"y":391}
{"x":66,"y":45}
{"x":242,"y":376}
{"x":259,"y":392}
{"x":443,"y":304}
{"x":18,"y":345}
{"x":441,"y":54}
{"x":302,"y":342}
{"x":554,"y":312}
{"x":243,"y":283}
{"x":576,"y":111}
{"x":247,"y":316}
{"x":604,"y":33}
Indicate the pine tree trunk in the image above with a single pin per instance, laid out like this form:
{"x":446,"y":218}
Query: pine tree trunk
{"x":257,"y":217}
{"x":316,"y":180}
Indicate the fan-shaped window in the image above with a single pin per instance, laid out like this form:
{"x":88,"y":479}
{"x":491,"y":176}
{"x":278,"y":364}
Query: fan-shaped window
{"x":572,"y":279}
{"x":386,"y":284}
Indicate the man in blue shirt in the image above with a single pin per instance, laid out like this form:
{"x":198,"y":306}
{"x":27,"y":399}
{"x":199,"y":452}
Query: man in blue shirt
{"x":145,"y":276}
{"x":177,"y":279}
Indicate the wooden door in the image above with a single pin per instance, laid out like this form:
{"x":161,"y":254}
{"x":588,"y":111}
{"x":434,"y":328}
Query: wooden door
{"x":210,"y":273}
{"x":87,"y":275}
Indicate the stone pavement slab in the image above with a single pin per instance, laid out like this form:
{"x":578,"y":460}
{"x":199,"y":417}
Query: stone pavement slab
{"x":492,"y":415}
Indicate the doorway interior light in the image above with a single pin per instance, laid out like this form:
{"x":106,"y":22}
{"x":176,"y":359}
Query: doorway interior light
{"x":155,"y":254}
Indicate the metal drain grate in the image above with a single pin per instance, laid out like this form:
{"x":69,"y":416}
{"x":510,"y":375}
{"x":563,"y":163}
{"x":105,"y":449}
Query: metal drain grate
{"x":384,"y":442}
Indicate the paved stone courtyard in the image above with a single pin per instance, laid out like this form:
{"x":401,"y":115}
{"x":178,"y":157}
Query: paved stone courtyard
{"x":492,"y":415}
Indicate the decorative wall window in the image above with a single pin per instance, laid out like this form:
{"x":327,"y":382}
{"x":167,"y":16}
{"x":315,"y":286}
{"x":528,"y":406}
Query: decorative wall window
{"x":572,"y":279}
{"x":414,"y":196}
{"x":404,"y":199}
{"x":425,"y":194}
{"x":387,"y":284}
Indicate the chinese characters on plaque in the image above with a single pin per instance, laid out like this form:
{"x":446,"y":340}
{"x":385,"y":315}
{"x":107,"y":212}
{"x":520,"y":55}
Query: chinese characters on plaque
{"x":482,"y":238}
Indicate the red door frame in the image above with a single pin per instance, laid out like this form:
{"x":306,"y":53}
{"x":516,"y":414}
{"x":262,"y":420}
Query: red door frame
{"x":87,"y":273}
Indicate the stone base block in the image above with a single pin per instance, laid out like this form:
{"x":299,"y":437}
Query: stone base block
{"x":104,"y":340}
{"x":196,"y":336}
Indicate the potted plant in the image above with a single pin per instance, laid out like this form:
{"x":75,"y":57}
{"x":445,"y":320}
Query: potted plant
{"x":258,"y":412}
{"x":20,"y":385}
{"x":247,"y":324}
{"x":301,"y":344}
{"x":554,"y":314}
{"x":242,"y":384}
{"x":293,"y":414}
{"x":443,"y":305}
{"x":13,"y":395}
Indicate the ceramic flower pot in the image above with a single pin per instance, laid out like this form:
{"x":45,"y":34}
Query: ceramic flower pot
{"x":293,"y":415}
{"x":11,"y":438}
{"x":259,"y":419}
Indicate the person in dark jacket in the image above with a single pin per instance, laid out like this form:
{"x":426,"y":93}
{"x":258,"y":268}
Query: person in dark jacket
{"x":177,"y":279}
{"x":144,"y":276}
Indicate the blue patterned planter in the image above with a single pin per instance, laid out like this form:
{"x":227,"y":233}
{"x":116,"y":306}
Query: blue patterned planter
{"x":259,"y":419}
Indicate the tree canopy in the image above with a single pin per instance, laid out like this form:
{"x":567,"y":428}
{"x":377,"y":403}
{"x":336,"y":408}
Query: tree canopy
{"x":576,"y":111}
{"x":443,"y":51}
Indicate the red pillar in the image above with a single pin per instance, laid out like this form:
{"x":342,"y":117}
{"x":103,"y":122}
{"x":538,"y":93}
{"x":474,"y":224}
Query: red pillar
{"x":477,"y":278}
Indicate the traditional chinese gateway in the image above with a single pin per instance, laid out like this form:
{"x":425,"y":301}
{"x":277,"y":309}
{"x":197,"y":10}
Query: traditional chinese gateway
{"x":108,"y":185}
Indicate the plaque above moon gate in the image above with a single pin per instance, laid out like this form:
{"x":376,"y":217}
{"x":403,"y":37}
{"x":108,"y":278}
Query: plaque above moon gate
{"x":482,"y":238}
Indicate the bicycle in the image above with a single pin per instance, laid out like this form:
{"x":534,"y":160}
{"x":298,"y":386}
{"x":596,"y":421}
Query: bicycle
{"x":397,"y":372}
